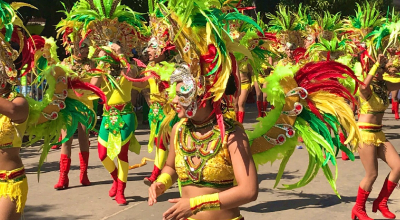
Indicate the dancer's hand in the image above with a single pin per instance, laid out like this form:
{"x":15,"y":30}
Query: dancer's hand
{"x":102,"y":53}
{"x":116,"y":48}
{"x":180,"y":211}
{"x":382,"y":60}
{"x":155,"y":190}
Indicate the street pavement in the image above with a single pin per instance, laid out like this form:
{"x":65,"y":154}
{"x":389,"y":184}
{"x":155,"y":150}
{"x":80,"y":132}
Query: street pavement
{"x":315,"y":201}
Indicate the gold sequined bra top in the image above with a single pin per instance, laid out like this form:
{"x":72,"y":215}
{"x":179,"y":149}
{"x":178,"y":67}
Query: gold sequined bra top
{"x":378,"y":102}
{"x":11,"y":133}
{"x":214,"y":168}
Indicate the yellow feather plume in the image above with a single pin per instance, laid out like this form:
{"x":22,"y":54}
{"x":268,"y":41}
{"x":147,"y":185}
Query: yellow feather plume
{"x":337,"y":106}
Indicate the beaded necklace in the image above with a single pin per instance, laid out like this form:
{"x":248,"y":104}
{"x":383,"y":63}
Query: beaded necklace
{"x":203,"y":148}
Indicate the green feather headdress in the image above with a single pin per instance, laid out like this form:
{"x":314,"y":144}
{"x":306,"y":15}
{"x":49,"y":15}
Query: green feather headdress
{"x":105,"y":21}
{"x":333,"y":48}
{"x":367,"y":18}
{"x":287,"y":25}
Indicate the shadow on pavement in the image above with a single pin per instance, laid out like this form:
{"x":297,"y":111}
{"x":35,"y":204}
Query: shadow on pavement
{"x":304,"y":201}
{"x":272,"y":176}
{"x":55,"y":166}
{"x":169,"y":195}
{"x":135,"y":199}
{"x":392,"y":136}
{"x":34,"y":213}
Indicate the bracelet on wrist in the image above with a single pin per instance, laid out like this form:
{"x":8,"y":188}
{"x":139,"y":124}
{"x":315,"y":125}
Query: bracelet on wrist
{"x":205,"y":203}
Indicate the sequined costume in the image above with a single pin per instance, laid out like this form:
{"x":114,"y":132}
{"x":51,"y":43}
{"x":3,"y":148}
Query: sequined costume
{"x":206,"y":65}
{"x":161,"y":115}
{"x":102,"y":22}
{"x":215,"y":168}
{"x":13,"y":183}
{"x":116,"y":136}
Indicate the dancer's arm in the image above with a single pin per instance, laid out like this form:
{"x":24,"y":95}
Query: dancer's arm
{"x":246,"y":190}
{"x":365,"y":89}
{"x":245,"y":173}
{"x":17,"y":110}
{"x":157,"y":188}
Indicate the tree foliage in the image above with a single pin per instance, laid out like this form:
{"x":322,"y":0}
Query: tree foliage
{"x":345,"y":7}
{"x":50,"y":11}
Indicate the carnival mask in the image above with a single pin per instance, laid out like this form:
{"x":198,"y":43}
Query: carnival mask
{"x":188,"y":91}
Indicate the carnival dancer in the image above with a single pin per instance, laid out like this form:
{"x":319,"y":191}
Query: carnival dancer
{"x":204,"y":151}
{"x":246,"y":73}
{"x":161,"y":116}
{"x":116,"y":136}
{"x":79,"y":63}
{"x":14,"y":112}
{"x":374,"y":101}
{"x":157,"y":57}
{"x":103,"y":22}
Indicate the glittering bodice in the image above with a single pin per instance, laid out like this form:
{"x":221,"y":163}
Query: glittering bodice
{"x":213,"y":167}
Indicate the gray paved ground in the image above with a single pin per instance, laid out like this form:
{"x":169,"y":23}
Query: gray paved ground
{"x":315,"y":201}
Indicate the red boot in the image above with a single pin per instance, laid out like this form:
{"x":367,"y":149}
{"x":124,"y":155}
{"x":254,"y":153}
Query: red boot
{"x":260,"y":108}
{"x":114,"y":188}
{"x":265,"y":107}
{"x":55,"y":147}
{"x":395,"y":106}
{"x":342,"y":140}
{"x":120,"y":197}
{"x":358,"y":211}
{"x":65,"y":165}
{"x":392,"y":106}
{"x":381,"y":202}
{"x":84,"y":161}
{"x":149,"y":180}
{"x":240,"y":117}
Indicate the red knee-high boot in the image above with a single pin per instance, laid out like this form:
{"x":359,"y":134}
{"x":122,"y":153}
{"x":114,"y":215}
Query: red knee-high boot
{"x":392,"y":106}
{"x":381,"y":202}
{"x":342,"y":140}
{"x":149,"y":180}
{"x":114,"y":188}
{"x":65,"y":165}
{"x":120,"y":197}
{"x":84,"y":162}
{"x":156,"y":170}
{"x":260,"y":108}
{"x":395,"y":106}
{"x":240,"y":117}
{"x":358,"y":210}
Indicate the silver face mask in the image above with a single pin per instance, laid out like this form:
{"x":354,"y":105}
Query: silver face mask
{"x":188,"y":90}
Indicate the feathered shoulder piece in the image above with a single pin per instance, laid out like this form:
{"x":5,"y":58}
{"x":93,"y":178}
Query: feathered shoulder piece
{"x":310,"y":104}
{"x":55,"y":110}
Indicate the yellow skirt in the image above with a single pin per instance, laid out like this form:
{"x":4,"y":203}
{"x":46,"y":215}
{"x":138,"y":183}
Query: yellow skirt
{"x":371,"y":134}
{"x":140,"y":89}
{"x":14,"y":185}
{"x":237,"y":218}
{"x":245,"y":86}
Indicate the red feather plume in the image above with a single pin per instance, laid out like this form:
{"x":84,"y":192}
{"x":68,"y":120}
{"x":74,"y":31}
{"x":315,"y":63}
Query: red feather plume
{"x":32,"y":44}
{"x":78,"y":84}
{"x":322,"y":76}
